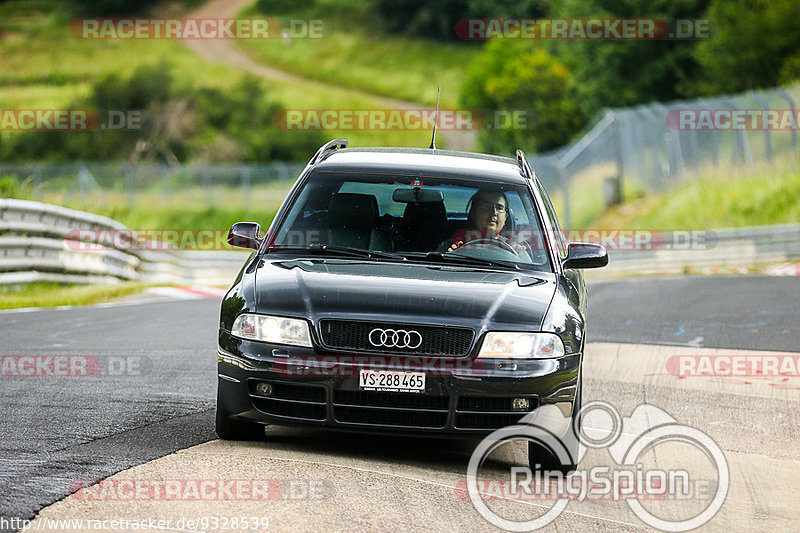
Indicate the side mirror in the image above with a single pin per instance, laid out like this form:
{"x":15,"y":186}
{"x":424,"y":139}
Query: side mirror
{"x":245,"y":235}
{"x":585,"y":255}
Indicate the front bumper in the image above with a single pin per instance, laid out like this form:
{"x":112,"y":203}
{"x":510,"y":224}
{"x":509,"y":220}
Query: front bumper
{"x":459,"y":399}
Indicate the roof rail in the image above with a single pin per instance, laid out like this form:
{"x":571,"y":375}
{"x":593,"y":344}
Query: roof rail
{"x":329,"y":146}
{"x":522,"y":163}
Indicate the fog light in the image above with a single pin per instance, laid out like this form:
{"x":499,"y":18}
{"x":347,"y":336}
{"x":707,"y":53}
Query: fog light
{"x":520,"y":404}
{"x":265,"y":389}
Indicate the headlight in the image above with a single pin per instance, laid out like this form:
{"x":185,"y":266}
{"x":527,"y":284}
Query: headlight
{"x":273,"y":329}
{"x":515,"y":345}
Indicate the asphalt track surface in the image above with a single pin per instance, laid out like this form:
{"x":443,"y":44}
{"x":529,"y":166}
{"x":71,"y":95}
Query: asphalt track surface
{"x":59,"y":431}
{"x":750,"y":312}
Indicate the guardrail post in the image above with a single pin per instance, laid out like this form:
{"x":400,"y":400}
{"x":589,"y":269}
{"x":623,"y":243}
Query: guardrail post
{"x":618,"y":150}
{"x":205,"y":173}
{"x":283,"y":171}
{"x":793,"y":107}
{"x":37,"y":180}
{"x":246,"y":182}
{"x":129,"y":170}
{"x":672,"y":143}
{"x":767,"y":133}
{"x":742,"y":142}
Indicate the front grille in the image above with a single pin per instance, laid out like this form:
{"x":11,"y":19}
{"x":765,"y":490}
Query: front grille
{"x":390,"y":409}
{"x":436,"y":340}
{"x":388,"y":417}
{"x":489,"y":403}
{"x":489,"y":412}
{"x":486,"y":420}
{"x":290,"y":409}
{"x":304,"y":402}
{"x":292,"y":391}
{"x":390,"y":399}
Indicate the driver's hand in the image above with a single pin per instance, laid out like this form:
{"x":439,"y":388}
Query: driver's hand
{"x":455,"y":246}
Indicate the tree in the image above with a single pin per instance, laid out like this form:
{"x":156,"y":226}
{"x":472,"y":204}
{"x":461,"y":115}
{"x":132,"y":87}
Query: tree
{"x":756,"y":45}
{"x":621,"y":73}
{"x":178,"y":123}
{"x":436,"y":20}
{"x":519,"y":76}
{"x":104,"y":8}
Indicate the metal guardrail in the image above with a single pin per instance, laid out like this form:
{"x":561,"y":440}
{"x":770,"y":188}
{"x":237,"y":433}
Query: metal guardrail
{"x":37,"y":243}
{"x":726,"y":249}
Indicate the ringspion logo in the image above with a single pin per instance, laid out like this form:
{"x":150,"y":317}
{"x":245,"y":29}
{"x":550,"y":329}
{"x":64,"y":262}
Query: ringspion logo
{"x":632,"y":476}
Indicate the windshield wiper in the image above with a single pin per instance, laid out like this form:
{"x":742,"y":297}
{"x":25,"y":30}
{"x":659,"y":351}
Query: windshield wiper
{"x":319,"y":248}
{"x":463,"y":259}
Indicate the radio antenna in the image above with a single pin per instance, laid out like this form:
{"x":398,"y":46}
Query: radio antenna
{"x":435,"y":120}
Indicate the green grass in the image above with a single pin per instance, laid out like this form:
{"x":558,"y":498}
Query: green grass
{"x":45,"y":67}
{"x":189,"y":208}
{"x":585,"y":197}
{"x":355,"y":53}
{"x":54,"y":294}
{"x":190,"y":218}
{"x":722,"y":201}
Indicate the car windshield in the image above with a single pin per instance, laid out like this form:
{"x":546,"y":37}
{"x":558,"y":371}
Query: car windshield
{"x":445,"y":219}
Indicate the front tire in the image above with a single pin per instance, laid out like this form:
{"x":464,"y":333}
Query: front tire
{"x":546,"y":459}
{"x":228,"y":429}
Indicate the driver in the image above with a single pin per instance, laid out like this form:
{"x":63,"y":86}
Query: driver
{"x":487,"y":214}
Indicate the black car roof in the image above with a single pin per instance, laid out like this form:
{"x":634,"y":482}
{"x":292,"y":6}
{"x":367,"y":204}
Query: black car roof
{"x":424,"y":160}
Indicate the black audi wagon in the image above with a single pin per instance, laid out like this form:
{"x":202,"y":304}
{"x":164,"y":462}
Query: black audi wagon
{"x":408,"y":290}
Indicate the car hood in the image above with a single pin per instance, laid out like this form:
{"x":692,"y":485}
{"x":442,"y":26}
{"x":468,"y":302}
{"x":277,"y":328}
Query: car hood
{"x":404,"y":292}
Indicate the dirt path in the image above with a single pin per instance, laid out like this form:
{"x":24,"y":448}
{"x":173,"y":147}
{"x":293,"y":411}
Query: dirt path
{"x":226,"y":52}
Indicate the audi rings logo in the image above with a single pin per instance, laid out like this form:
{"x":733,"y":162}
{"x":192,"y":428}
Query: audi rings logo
{"x":395,"y":338}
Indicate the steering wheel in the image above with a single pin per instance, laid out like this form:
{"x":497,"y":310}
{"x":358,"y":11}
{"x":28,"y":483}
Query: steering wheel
{"x":488,"y":240}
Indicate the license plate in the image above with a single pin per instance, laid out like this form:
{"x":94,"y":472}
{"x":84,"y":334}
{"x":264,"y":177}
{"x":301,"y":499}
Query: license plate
{"x":391,"y":380}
